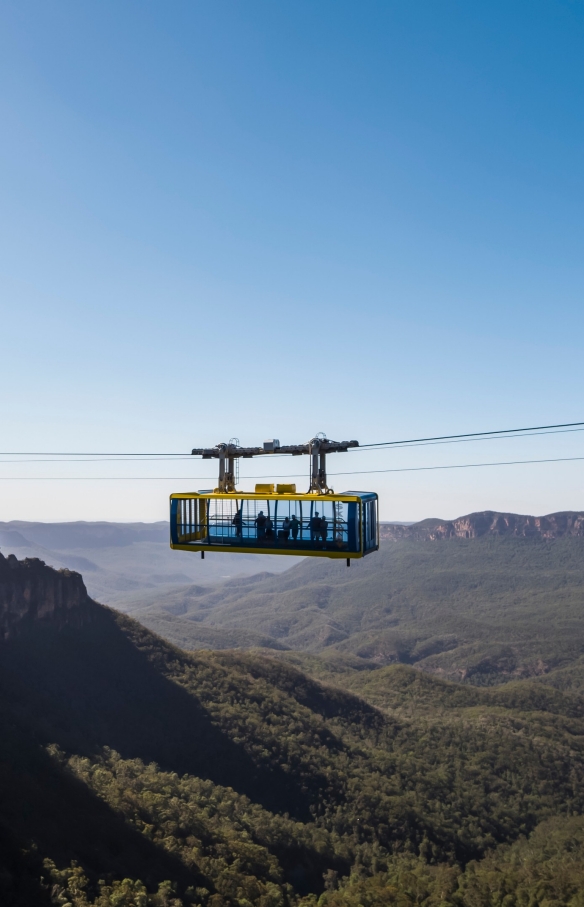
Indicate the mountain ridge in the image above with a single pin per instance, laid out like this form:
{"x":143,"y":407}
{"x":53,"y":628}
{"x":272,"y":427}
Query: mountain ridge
{"x":120,"y":559}
{"x":565,"y":523}
{"x":483,"y":610}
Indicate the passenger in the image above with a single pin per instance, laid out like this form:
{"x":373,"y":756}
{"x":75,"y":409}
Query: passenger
{"x":285,"y":530}
{"x":269,"y":528}
{"x":323,"y":529}
{"x":294,"y":526}
{"x":315,"y":528}
{"x":260,"y":522}
{"x":238,"y":521}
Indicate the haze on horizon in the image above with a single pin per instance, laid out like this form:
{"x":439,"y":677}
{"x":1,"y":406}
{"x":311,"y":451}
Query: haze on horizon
{"x":261,"y":220}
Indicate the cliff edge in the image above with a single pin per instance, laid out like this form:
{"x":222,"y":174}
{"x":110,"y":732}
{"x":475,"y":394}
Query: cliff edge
{"x":32,"y":593}
{"x":489,"y":522}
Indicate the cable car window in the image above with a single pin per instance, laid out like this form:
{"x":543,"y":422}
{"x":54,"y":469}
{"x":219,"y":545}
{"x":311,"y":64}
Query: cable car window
{"x":264,"y":523}
{"x":370,"y":524}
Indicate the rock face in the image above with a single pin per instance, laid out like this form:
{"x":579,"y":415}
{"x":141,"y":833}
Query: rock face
{"x":488,"y":522}
{"x":32,"y":593}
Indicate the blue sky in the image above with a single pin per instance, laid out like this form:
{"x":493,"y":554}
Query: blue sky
{"x":270,"y":219}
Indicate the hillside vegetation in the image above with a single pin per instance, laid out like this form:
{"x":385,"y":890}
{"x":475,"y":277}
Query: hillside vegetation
{"x":483,"y":610}
{"x":234,"y":779}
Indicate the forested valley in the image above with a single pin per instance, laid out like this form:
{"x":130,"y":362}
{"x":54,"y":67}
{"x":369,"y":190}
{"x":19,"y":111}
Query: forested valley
{"x":135,"y":773}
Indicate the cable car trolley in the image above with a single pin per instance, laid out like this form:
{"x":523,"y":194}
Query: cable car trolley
{"x":275,"y":519}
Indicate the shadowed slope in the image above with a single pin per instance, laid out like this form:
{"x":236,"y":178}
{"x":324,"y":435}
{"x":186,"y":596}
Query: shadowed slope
{"x":46,"y":805}
{"x":98,"y":685}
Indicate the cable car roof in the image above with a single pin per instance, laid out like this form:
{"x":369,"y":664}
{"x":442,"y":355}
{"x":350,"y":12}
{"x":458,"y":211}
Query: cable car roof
{"x":274,"y":495}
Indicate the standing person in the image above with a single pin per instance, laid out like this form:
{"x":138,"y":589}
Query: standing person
{"x":294,"y":526}
{"x":314,"y":527}
{"x":260,"y":522}
{"x":238,"y":521}
{"x":323,"y":529}
{"x":285,"y":529}
{"x":269,"y":528}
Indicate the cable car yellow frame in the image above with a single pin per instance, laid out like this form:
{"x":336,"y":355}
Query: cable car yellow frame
{"x":191,"y":520}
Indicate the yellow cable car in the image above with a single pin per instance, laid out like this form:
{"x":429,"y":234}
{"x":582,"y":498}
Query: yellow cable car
{"x":275,"y":520}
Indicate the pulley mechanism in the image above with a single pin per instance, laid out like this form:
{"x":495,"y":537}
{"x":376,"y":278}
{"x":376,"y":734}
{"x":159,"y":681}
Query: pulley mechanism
{"x":317,"y":449}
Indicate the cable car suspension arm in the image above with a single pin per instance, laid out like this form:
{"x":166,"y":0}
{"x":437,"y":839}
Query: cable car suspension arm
{"x":317,"y":449}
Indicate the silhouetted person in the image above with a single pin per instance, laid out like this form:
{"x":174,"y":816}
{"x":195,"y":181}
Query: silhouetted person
{"x":284,"y":532}
{"x":260,"y":522}
{"x":269,"y":528}
{"x":238,"y":521}
{"x":314,"y":527}
{"x":294,"y":526}
{"x":323,"y":529}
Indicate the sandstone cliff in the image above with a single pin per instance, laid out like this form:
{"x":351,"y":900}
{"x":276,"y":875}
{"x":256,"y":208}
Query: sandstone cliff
{"x":489,"y":522}
{"x":32,"y":593}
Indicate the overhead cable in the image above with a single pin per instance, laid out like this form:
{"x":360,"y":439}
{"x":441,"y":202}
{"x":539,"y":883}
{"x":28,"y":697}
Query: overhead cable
{"x":359,"y":472}
{"x":500,"y":434}
{"x":476,"y":434}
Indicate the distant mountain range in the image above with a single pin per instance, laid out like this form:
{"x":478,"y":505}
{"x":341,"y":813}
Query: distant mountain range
{"x":489,"y":522}
{"x":486,"y":598}
{"x":120,"y":559}
{"x":505,"y":602}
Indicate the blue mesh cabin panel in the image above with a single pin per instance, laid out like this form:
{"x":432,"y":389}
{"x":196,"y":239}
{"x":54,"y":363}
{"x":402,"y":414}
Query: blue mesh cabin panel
{"x":353,"y":526}
{"x":174,"y":511}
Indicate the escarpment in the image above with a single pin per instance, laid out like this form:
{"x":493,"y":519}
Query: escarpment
{"x":31,"y":594}
{"x":489,"y":522}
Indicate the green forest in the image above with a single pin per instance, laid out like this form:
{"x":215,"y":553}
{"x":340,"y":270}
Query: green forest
{"x":134,"y":773}
{"x":481,"y":611}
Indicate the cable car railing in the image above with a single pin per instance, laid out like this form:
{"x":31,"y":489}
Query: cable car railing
{"x":256,"y":524}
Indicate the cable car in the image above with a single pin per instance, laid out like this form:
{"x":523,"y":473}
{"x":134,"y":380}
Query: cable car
{"x":275,"y":519}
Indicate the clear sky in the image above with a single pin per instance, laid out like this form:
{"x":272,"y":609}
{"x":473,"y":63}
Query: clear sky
{"x":262,"y":219}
